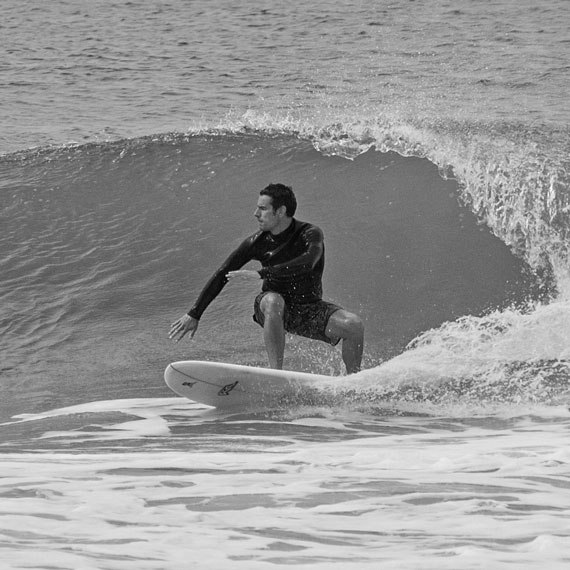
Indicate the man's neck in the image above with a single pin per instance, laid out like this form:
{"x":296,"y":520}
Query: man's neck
{"x":282,"y":226}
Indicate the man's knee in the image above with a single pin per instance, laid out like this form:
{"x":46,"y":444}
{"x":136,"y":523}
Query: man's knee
{"x":354,"y":325}
{"x":344,"y":324}
{"x":272,"y":305}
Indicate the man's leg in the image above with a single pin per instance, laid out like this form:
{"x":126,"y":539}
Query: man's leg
{"x":273,"y":308}
{"x":350,"y":329}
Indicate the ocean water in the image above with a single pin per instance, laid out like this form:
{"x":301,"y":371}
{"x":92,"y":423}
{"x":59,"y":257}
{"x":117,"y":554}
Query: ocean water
{"x":429,"y":141}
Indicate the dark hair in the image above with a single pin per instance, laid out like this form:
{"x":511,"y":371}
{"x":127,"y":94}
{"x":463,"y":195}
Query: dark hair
{"x":281,"y":195}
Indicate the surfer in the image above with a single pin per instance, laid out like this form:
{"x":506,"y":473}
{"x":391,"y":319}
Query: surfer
{"x":292,"y":256}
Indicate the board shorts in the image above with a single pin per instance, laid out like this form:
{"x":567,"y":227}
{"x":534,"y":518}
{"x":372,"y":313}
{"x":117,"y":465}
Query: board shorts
{"x":304,"y":319}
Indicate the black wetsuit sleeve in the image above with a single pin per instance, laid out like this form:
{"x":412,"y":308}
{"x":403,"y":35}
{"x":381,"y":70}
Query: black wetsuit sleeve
{"x":217,"y":282}
{"x":306,"y":261}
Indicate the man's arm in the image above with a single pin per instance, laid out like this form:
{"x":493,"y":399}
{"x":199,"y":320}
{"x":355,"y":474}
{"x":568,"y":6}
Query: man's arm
{"x":188,"y":323}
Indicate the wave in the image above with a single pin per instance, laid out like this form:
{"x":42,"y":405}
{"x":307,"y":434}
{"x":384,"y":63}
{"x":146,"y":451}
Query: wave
{"x":104,"y":243}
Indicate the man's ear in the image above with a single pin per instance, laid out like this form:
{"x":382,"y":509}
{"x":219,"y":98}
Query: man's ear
{"x":282,"y":211}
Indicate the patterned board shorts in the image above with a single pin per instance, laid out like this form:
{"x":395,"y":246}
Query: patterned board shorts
{"x":309,"y":319}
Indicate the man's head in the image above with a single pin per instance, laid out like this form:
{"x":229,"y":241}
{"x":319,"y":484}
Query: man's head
{"x":281,"y":195}
{"x":275,"y":208}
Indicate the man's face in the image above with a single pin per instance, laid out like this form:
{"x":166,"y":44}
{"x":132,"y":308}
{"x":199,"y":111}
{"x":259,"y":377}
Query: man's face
{"x":267,"y":217}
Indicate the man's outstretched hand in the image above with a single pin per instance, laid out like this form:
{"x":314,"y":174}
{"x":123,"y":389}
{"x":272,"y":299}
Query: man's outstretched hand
{"x":185,"y":324}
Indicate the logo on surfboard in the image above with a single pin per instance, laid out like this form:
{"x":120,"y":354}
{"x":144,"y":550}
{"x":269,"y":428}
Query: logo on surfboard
{"x":228,"y":388}
{"x":189,"y":384}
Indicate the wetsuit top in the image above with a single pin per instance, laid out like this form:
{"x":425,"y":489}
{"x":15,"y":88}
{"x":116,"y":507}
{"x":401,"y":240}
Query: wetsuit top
{"x":292,"y":264}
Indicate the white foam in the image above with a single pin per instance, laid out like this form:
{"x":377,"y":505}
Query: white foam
{"x":315,"y":491}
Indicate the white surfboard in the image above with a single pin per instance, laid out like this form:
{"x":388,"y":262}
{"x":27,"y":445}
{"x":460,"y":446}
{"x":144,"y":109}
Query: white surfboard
{"x":233,"y":386}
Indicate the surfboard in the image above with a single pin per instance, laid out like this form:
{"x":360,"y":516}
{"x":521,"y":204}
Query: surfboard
{"x":234,"y":386}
